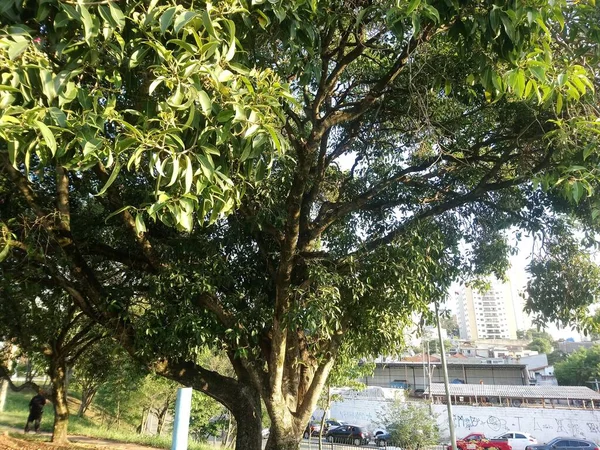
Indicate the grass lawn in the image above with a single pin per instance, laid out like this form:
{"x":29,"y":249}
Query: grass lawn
{"x":17,"y":408}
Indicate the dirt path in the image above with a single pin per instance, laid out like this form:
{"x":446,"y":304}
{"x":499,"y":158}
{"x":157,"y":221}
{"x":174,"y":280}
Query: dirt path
{"x":13,"y":442}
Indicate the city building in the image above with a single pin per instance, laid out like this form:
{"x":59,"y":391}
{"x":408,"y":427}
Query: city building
{"x":487,"y":315}
{"x":418,"y":373}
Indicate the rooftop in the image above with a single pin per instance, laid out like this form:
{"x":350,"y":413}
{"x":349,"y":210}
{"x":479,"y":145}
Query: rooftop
{"x":457,"y":362}
{"x":516,"y":391}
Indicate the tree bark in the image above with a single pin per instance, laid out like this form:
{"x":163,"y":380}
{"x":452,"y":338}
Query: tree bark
{"x":58,"y":378}
{"x":249,"y":423}
{"x":87,"y":396}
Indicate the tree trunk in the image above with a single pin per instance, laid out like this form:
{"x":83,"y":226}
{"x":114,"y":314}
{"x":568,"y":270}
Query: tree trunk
{"x":162,"y":416}
{"x":87,"y":396}
{"x":248,"y":420}
{"x":285,"y":431}
{"x":58,"y":377}
{"x":242,"y":399}
{"x":142,"y":426}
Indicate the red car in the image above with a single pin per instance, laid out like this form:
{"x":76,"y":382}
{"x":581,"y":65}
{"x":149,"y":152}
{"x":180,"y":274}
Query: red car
{"x":476,"y":441}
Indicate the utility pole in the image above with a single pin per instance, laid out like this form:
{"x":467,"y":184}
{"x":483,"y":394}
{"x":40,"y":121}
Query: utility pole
{"x":595,"y":382}
{"x":446,"y":382}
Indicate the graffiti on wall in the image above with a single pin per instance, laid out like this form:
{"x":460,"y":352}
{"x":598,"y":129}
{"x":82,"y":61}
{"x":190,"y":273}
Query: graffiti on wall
{"x":543,"y":424}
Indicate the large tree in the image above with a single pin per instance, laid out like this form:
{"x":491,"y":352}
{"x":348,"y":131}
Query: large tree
{"x":51,"y":326}
{"x":580,"y":368}
{"x":137,"y":136}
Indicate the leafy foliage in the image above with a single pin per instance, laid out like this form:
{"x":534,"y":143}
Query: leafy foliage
{"x":579,"y":367}
{"x":540,"y":345}
{"x":410,"y":425}
{"x":137,"y":138}
{"x":565,"y":282}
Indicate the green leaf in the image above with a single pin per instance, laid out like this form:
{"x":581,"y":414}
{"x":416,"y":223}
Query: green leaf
{"x":111,"y":179}
{"x":48,"y":136}
{"x":182,"y":20}
{"x":412,"y":5}
{"x":509,"y":27}
{"x":140,"y":225}
{"x":117,"y":14}
{"x":208,"y":24}
{"x":447,"y":87}
{"x":519,"y":85}
{"x":117,"y":212}
{"x":231,"y":50}
{"x":175,"y":171}
{"x":58,"y":115}
{"x":189,"y":174}
{"x":88,"y":23}
{"x":16,"y":48}
{"x":167,"y":18}
{"x":559,"y":103}
{"x":495,"y":19}
{"x":538,"y":70}
{"x":154,"y":85}
{"x":5,"y":252}
{"x":431,"y":12}
{"x":205,"y":102}
{"x":577,"y":191}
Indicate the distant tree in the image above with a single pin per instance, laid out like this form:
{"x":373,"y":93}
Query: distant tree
{"x":434,"y":346}
{"x":556,"y":356}
{"x":207,"y":416}
{"x":450,"y":324}
{"x":534,"y":333}
{"x":540,"y":345}
{"x":47,"y":326}
{"x":565,"y":282}
{"x":119,"y":397}
{"x":579,"y":368}
{"x":411,"y":426}
{"x":94,"y":368}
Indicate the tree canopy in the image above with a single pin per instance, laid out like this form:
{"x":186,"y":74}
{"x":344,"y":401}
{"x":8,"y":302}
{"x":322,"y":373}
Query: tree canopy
{"x":285,"y":180}
{"x":579,"y":368}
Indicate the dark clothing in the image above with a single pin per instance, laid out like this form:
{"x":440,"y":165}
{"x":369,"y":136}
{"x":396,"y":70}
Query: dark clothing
{"x":36,"y":409}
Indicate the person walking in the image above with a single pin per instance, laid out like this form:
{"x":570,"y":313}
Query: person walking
{"x":36,"y":409}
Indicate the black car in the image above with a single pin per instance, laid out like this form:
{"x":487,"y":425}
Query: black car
{"x":382,"y":440}
{"x":565,"y":443}
{"x":330,"y":424}
{"x":312,"y":429}
{"x":348,"y":434}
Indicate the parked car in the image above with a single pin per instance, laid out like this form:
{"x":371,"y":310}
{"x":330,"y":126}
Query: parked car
{"x":265,"y":433}
{"x":312,"y":429}
{"x":419,"y":393}
{"x":519,"y":440}
{"x":332,"y":423}
{"x":475,"y":440}
{"x":382,"y":439}
{"x":565,"y":443}
{"x":348,"y":434}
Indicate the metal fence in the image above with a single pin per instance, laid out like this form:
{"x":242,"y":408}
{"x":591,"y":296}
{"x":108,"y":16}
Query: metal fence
{"x":313,"y":444}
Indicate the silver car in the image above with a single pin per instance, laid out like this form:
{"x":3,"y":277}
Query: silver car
{"x":565,"y":443}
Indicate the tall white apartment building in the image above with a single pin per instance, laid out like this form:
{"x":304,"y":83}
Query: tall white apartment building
{"x":487,"y":315}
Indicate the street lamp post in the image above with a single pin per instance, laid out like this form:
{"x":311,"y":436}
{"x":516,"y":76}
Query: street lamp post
{"x":446,"y":382}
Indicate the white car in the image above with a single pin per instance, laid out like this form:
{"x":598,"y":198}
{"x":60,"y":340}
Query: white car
{"x":265,"y":433}
{"x":518,"y":440}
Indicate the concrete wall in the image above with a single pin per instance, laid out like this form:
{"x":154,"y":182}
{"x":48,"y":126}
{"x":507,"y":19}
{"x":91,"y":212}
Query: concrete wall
{"x":543,"y":424}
